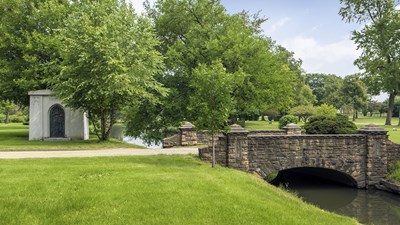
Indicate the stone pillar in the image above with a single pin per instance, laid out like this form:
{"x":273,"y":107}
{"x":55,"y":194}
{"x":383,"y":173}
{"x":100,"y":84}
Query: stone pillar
{"x":376,"y":154}
{"x":187,"y":134}
{"x":237,"y":148}
{"x":292,"y":129}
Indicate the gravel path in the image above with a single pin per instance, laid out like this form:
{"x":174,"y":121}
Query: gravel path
{"x":95,"y":153}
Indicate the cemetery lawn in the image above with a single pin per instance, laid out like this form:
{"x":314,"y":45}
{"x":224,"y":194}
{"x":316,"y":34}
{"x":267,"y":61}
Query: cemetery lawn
{"x":15,"y":136}
{"x":145,"y":190}
{"x":394,"y":130}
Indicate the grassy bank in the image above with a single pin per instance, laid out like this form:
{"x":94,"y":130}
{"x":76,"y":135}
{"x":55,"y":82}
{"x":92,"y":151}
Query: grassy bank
{"x":145,"y":190}
{"x":15,"y":137}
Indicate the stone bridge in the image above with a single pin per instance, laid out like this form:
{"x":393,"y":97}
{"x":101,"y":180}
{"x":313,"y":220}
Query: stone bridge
{"x":361,"y":158}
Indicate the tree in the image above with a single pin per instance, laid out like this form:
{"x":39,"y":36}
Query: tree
{"x":326,"y":88}
{"x":380,"y":43}
{"x":325,"y":110}
{"x":29,"y":53}
{"x":212,"y":99}
{"x":109,"y":61}
{"x":7,"y":108}
{"x":354,"y":93}
{"x":303,"y":111}
{"x":202,"y":32}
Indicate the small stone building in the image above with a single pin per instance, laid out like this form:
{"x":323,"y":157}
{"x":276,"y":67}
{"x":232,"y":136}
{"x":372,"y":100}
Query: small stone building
{"x":50,"y":120}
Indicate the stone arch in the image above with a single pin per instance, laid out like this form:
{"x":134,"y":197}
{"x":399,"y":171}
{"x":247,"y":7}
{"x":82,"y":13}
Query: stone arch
{"x":323,"y":173}
{"x":56,"y":121}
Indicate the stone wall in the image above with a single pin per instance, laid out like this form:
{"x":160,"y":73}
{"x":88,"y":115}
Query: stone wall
{"x":338,"y":152}
{"x":266,"y":132}
{"x":170,"y":142}
{"x":393,"y":152}
{"x":363,"y":157}
{"x":203,"y":137}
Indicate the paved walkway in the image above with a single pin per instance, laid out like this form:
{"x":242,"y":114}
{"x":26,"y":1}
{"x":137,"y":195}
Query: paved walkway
{"x":95,"y":153}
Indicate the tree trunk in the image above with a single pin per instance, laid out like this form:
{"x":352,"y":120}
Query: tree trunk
{"x":103,"y":128}
{"x":7,"y":121}
{"x":390,"y":108}
{"x":213,"y":150}
{"x":263,"y":117}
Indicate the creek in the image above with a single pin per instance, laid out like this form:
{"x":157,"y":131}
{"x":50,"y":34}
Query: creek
{"x":367,"y":206}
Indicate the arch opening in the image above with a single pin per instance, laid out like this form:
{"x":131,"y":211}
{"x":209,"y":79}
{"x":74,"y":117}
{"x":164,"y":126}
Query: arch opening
{"x":57,"y":122}
{"x":312,"y":174}
{"x":327,"y":188}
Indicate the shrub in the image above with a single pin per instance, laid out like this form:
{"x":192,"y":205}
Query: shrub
{"x":338,"y":124}
{"x":285,"y":120}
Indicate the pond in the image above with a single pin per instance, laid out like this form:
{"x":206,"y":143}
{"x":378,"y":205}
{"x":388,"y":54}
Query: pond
{"x":367,"y":206}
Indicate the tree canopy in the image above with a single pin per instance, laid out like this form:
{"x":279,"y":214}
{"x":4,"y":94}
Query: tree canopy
{"x":201,"y":32}
{"x":109,"y":61}
{"x":29,"y":48}
{"x":379,"y":41}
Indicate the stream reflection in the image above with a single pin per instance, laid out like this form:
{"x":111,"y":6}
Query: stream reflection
{"x":367,"y":206}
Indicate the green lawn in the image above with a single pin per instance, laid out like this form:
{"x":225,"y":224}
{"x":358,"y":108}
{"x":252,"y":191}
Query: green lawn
{"x":394,"y":131}
{"x":15,"y":137}
{"x":145,"y":190}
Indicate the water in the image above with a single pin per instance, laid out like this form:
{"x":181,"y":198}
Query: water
{"x":138,"y":141}
{"x":367,"y":206}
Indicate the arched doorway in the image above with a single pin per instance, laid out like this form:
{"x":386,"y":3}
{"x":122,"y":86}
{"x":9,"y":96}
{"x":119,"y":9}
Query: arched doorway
{"x":57,"y":122}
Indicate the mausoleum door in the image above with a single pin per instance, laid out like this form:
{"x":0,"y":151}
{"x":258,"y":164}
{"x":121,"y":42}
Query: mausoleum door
{"x":57,"y":122}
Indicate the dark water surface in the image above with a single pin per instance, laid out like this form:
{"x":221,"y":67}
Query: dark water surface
{"x":367,"y":206}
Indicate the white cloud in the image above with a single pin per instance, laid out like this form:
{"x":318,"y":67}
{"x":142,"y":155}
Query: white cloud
{"x":280,"y":23}
{"x":334,"y":58}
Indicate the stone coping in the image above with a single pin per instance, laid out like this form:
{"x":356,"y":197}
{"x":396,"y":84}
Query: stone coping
{"x":41,"y":93}
{"x":308,"y":136}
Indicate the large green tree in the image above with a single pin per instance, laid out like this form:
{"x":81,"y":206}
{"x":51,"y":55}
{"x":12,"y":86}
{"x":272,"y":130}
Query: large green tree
{"x":202,"y":32}
{"x":379,"y":41}
{"x":109,"y":61}
{"x":29,"y":53}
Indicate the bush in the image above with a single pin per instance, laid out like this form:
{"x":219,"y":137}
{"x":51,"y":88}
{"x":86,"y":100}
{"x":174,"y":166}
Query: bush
{"x":338,"y":124}
{"x":285,"y":120}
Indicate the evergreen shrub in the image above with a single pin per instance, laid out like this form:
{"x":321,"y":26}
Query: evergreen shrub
{"x":338,"y":124}
{"x":285,"y":120}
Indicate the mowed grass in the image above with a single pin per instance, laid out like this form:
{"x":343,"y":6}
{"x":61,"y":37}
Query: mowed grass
{"x":394,"y":130}
{"x":15,"y":137}
{"x":145,"y":190}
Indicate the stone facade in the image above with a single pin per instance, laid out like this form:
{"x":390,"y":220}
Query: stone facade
{"x":362,"y":157}
{"x":75,"y":124}
{"x":187,"y":136}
